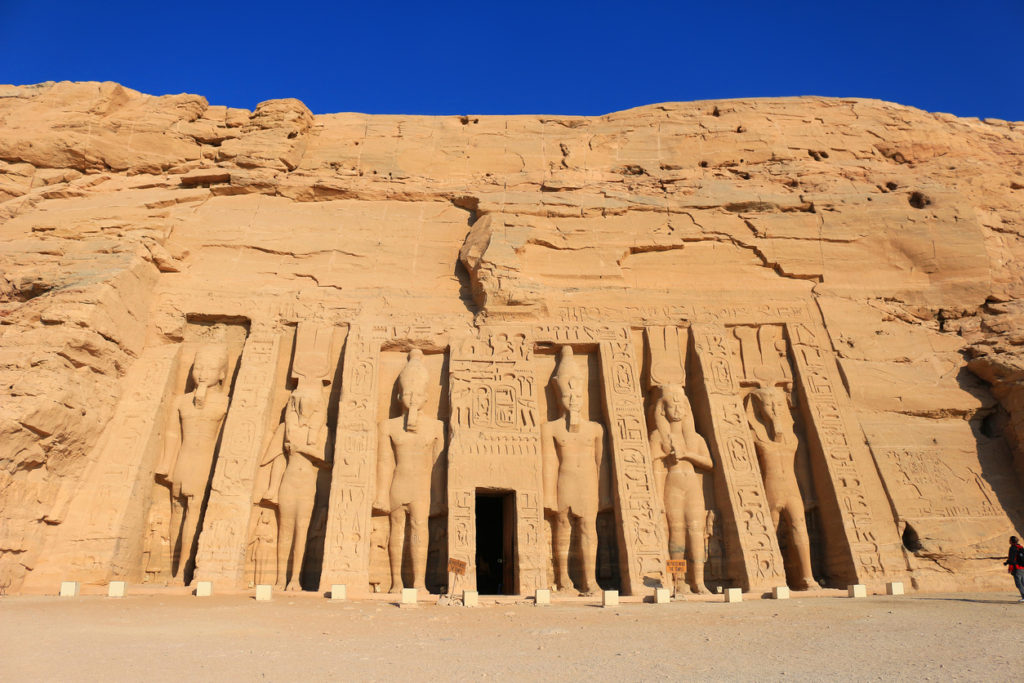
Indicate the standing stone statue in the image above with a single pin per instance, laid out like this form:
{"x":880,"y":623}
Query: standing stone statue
{"x":409,"y":481}
{"x":776,"y":443}
{"x":296,"y":454}
{"x":572,"y":450}
{"x":680,"y":457}
{"x":189,"y":448}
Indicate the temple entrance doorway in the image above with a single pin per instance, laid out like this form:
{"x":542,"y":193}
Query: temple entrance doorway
{"x":495,"y":542}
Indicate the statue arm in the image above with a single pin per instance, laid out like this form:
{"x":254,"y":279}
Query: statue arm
{"x":172,"y":443}
{"x":316,"y":452}
{"x":385,"y":468}
{"x":758,"y":429}
{"x":604,"y":479}
{"x":549,"y":463}
{"x":660,"y":472}
{"x":698,"y":454}
{"x":804,"y":477}
{"x":273,"y":457}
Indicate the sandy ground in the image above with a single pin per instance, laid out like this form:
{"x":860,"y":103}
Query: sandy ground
{"x":155,"y":637}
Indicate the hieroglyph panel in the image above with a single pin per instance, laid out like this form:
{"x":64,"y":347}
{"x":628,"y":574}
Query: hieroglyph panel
{"x":347,"y":545}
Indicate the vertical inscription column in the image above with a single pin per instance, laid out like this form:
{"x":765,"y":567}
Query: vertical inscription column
{"x":871,"y":535}
{"x":221,"y":554}
{"x":347,"y":545}
{"x":748,"y":524}
{"x":643,"y":545}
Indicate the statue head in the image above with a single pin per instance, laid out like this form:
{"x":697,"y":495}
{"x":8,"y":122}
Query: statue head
{"x":770,"y":403}
{"x":570,"y":381}
{"x":412,"y":387}
{"x":307,"y":400}
{"x":209,"y":369}
{"x":675,"y":404}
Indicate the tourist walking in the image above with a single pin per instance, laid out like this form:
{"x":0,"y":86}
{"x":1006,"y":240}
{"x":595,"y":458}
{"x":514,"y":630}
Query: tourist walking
{"x":1015,"y":565}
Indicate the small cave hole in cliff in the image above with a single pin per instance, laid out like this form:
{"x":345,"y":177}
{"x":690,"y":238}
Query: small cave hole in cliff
{"x":919,"y":200}
{"x":911,"y":541}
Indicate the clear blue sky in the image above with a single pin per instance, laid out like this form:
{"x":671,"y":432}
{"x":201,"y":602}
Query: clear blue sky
{"x":483,"y":57}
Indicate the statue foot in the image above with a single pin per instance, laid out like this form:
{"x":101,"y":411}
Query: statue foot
{"x":279,"y":586}
{"x":294,"y":586}
{"x":567,"y":590}
{"x":807,"y":585}
{"x":701,"y":590}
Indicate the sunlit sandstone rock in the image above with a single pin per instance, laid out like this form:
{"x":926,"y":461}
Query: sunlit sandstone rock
{"x":178,"y":278}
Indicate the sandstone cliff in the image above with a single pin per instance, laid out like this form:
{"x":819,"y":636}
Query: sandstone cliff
{"x":119,"y":211}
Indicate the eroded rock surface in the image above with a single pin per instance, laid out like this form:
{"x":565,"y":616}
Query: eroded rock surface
{"x":869,"y":252}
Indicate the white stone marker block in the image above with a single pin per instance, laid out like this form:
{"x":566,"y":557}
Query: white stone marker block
{"x":339,"y":591}
{"x":662,"y":596}
{"x":894,"y":588}
{"x":204,"y":589}
{"x":409,"y":596}
{"x":857,"y":590}
{"x":610,"y":598}
{"x":470,"y":599}
{"x":117,"y":589}
{"x":734,"y":595}
{"x":264,"y":592}
{"x":69,"y":589}
{"x":542,"y":597}
{"x":780,"y":592}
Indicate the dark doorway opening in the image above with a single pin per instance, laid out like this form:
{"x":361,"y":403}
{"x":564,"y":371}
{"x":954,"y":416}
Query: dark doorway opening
{"x":495,"y":542}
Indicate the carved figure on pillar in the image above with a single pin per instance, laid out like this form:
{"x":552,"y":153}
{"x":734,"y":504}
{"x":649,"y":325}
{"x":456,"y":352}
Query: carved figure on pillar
{"x":189,"y":449}
{"x":296,"y":455}
{"x":410,"y":484}
{"x":776,"y":444}
{"x":681,"y":457}
{"x":575,"y":474}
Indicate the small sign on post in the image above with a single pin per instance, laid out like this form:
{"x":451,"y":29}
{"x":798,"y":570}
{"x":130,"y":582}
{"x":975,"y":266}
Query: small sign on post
{"x":675,"y":568}
{"x":456,"y":568}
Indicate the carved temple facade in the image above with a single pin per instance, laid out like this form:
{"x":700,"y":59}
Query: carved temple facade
{"x":491,"y":387}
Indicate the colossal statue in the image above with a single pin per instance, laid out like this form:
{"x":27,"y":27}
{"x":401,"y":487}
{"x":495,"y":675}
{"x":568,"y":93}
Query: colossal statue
{"x":296,"y":455}
{"x":575,"y":476}
{"x":680,"y":457}
{"x":410,"y":485}
{"x":189,"y":449}
{"x":776,"y":444}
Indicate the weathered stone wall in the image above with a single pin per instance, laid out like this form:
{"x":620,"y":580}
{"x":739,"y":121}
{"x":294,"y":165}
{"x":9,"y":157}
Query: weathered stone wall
{"x":883,"y":244}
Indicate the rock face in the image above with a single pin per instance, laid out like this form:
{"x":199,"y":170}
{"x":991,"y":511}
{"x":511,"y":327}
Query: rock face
{"x":794,"y":324}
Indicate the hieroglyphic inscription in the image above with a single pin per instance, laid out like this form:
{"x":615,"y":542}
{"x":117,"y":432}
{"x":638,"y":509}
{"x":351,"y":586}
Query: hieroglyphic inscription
{"x":495,"y":444}
{"x":222,"y":543}
{"x":636,"y":500}
{"x":750,"y":528}
{"x":924,"y":484}
{"x":845,"y":455}
{"x":347,"y":545}
{"x":709,"y":311}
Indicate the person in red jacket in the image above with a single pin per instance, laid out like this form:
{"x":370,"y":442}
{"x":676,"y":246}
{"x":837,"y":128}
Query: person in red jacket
{"x":1015,"y":565}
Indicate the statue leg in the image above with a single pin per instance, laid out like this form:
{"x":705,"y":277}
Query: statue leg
{"x":285,"y":536}
{"x":302,"y":518}
{"x":396,"y":547}
{"x":676,"y":527}
{"x":189,"y":529}
{"x":563,"y":537}
{"x":588,"y":545}
{"x":696,"y":521}
{"x":419,"y":541}
{"x":802,"y":541}
{"x":177,"y":517}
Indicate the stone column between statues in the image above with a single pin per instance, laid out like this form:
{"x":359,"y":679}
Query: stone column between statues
{"x":755,"y":560}
{"x":872,"y":547}
{"x":642,"y":537}
{"x":347,"y":546}
{"x":221,"y":554}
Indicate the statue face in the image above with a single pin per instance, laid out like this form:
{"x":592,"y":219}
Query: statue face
{"x":570,"y":391}
{"x":413,"y":396}
{"x":305,"y":405}
{"x":207,"y":370}
{"x":676,"y":405}
{"x":772,"y":404}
